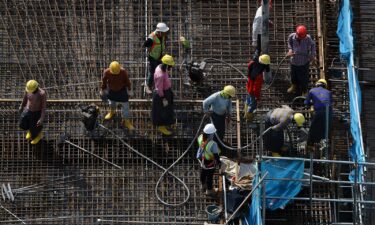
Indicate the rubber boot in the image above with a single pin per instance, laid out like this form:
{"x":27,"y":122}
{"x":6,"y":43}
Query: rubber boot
{"x":28,"y":135}
{"x":249,"y":117}
{"x":128,"y":124}
{"x":245,"y":110}
{"x":37,"y":139}
{"x":110,"y":114}
{"x":164,"y":130}
{"x":292,"y":89}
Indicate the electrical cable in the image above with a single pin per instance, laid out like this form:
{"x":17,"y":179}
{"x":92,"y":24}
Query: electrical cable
{"x":274,"y":76}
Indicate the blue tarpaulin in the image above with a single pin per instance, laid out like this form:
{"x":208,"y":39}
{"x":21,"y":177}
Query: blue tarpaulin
{"x":345,"y":34}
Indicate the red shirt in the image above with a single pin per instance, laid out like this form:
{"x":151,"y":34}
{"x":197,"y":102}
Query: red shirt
{"x":115,"y":82}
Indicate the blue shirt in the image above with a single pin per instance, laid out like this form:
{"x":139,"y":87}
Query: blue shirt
{"x":320,"y":98}
{"x":218,"y":104}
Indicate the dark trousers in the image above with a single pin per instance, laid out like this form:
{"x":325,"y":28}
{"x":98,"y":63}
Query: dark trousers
{"x":207,"y":177}
{"x":219,"y":123}
{"x":153,"y":64}
{"x":300,"y":77}
{"x":318,"y":127}
{"x":28,"y":121}
{"x":163,"y":116}
{"x":273,"y":140}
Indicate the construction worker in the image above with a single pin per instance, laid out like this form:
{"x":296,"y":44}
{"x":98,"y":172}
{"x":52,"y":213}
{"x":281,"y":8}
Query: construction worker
{"x":278,"y":119}
{"x":258,"y":23}
{"x":220,"y":104}
{"x":256,"y":67}
{"x":162,"y":100}
{"x":33,"y":111}
{"x":208,"y":156}
{"x":156,"y":47}
{"x":116,"y":87}
{"x":321,"y":100}
{"x":301,"y":49}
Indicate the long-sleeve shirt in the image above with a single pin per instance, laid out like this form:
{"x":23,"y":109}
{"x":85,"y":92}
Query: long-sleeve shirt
{"x":304,"y":49}
{"x":36,"y":102}
{"x":320,"y":98}
{"x":280,"y":117}
{"x":162,"y":81}
{"x":115,"y":82}
{"x":218,"y":104}
{"x":257,"y":24}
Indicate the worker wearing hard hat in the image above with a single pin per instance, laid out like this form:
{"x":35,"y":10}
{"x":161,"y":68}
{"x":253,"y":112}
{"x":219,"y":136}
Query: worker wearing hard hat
{"x":33,"y":111}
{"x":162,"y":100}
{"x":278,"y":119}
{"x":220,"y":104}
{"x":116,"y":87}
{"x":208,"y":156}
{"x":321,"y":100}
{"x":156,"y":47}
{"x":254,"y":83}
{"x":302,"y":50}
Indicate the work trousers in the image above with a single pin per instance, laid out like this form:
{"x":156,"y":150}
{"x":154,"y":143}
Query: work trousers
{"x":251,"y":101}
{"x":125,"y":107}
{"x":300,"y":77}
{"x":219,"y":123}
{"x":28,"y":121}
{"x":273,"y":140}
{"x":163,"y":116}
{"x":153,"y":64}
{"x":318,"y":127}
{"x":207,"y":176}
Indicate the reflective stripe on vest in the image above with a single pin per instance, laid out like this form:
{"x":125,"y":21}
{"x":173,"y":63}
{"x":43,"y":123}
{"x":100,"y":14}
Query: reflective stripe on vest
{"x":157,"y":47}
{"x":207,"y":154}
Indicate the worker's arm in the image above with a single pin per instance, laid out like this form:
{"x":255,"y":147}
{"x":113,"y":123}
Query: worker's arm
{"x":43,"y":108}
{"x":290,"y":45}
{"x":313,"y":49}
{"x":159,"y":85}
{"x":308,"y":99}
{"x":128,"y":84}
{"x":229,"y":108}
{"x":148,"y":43}
{"x":104,"y":81}
{"x":23,"y":103}
{"x":208,"y":102}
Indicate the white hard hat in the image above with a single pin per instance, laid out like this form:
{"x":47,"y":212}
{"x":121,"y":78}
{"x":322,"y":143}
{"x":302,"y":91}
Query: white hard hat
{"x":162,"y":27}
{"x":209,"y":129}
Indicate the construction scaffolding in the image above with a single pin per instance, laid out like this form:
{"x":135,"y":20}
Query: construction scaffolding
{"x":76,"y":177}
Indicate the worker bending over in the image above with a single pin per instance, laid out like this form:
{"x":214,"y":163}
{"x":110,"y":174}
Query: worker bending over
{"x":116,"y":87}
{"x":278,"y":119}
{"x":33,"y":111}
{"x":162,"y":100}
{"x":321,"y":100}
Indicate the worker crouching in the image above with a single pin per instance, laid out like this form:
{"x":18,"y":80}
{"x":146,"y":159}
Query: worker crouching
{"x":162,"y":100}
{"x":208,"y":156}
{"x":116,"y":87}
{"x":33,"y":111}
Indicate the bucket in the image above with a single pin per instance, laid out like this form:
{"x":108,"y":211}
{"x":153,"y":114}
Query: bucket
{"x":213,"y":212}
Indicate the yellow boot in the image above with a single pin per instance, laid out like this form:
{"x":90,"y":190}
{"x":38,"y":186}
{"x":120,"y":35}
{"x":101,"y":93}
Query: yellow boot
{"x":28,"y":135}
{"x":275,"y":154}
{"x":110,"y":114}
{"x":292,"y":89}
{"x":249,"y":117}
{"x":37,"y":139}
{"x":164,"y":130}
{"x":128,"y":124}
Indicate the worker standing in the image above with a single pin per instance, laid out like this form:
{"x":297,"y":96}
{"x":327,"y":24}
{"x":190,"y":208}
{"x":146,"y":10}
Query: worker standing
{"x":156,"y":47}
{"x":302,"y":50}
{"x":208,"y":156}
{"x":220,"y":104}
{"x":116,"y":87}
{"x":278,"y":119}
{"x":256,"y":67}
{"x":162,"y":100}
{"x":321,"y":100}
{"x":33,"y":111}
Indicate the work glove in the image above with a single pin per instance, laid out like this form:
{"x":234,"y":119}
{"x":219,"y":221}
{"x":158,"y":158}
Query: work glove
{"x":130,"y":93}
{"x":165,"y":102}
{"x":39,"y":123}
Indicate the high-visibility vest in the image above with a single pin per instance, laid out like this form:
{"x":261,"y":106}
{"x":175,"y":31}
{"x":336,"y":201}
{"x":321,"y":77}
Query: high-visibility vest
{"x":206,"y":154}
{"x":157,"y":47}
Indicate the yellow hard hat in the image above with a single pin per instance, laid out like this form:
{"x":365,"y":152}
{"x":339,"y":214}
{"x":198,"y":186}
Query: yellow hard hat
{"x":115,"y":67}
{"x":230,"y":90}
{"x":168,"y":60}
{"x":31,"y":86}
{"x":321,"y":81}
{"x":265,"y":59}
{"x":299,"y":118}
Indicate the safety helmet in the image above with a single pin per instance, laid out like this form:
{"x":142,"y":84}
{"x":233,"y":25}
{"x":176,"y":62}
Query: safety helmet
{"x":230,"y":90}
{"x":209,"y":129}
{"x":31,"y":86}
{"x":320,"y":82}
{"x":115,"y":67}
{"x":265,"y":59}
{"x":299,"y":119}
{"x":301,"y":31}
{"x":168,"y":60}
{"x":162,"y":27}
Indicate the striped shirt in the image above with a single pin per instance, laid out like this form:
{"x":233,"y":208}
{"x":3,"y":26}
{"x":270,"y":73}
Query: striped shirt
{"x":280,"y":117}
{"x":304,"y":49}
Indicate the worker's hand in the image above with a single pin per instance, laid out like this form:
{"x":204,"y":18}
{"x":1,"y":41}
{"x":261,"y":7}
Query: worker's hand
{"x":130,"y":93}
{"x":275,"y":128}
{"x":208,"y":114}
{"x":165,"y":102}
{"x":290,"y":53}
{"x":39,"y":123}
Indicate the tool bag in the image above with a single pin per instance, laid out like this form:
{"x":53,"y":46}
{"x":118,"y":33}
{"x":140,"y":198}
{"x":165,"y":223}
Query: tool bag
{"x":89,"y":116}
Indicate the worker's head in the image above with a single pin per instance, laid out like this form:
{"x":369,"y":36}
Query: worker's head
{"x":114,"y":67}
{"x":299,"y":119}
{"x":228,"y":92}
{"x":168,"y":62}
{"x":209,"y":129}
{"x":265,"y":59}
{"x":321,"y":83}
{"x":31,"y":86}
{"x":161,"y":29}
{"x":301,"y":32}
